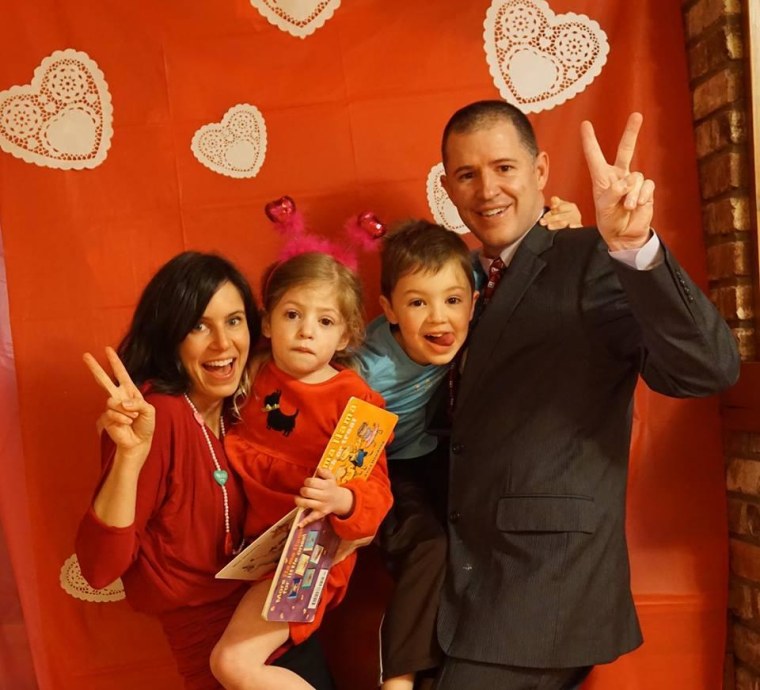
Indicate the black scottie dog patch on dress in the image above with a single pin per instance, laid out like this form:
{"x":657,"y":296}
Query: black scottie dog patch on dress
{"x":276,"y":419}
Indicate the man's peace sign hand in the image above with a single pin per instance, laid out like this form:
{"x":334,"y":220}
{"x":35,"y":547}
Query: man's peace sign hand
{"x":624,"y":200}
{"x":128,"y":419}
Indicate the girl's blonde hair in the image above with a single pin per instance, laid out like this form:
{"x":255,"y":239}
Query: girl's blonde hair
{"x":317,"y":267}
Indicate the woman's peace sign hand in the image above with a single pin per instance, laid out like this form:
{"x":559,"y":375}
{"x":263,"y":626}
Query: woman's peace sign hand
{"x":128,"y":419}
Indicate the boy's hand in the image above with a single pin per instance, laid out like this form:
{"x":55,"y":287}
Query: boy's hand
{"x":322,"y":495}
{"x":346,"y":548}
{"x":561,"y":214}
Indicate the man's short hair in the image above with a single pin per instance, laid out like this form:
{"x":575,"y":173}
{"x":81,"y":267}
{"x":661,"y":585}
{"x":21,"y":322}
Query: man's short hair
{"x":420,"y":246}
{"x":482,"y":114}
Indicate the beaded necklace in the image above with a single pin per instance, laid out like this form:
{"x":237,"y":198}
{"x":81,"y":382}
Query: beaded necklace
{"x":220,"y":475}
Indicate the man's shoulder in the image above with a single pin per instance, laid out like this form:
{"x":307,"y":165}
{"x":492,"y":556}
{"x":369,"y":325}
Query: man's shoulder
{"x":569,"y":241}
{"x":585,"y":236}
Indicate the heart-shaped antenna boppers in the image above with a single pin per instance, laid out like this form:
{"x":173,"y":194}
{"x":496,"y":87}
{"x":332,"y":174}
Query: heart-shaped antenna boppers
{"x":280,"y":210}
{"x":372,"y":225}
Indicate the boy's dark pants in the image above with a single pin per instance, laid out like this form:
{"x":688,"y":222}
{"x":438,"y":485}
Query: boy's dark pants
{"x":308,"y":661}
{"x":413,"y":538}
{"x":459,"y":674}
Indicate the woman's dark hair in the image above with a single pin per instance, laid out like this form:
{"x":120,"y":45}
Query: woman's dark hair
{"x":171,"y":304}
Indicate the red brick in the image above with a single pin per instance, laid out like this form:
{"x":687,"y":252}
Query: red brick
{"x":740,"y":600}
{"x":743,"y":476}
{"x":746,"y":679}
{"x":729,"y":259}
{"x":744,"y":518}
{"x":721,"y":89}
{"x":744,"y":443}
{"x":722,"y":173}
{"x":727,"y":215}
{"x":746,"y":644}
{"x":706,"y":12}
{"x":750,"y":442}
{"x":734,"y":301}
{"x":737,"y":443}
{"x":745,"y":560}
{"x":747,"y":343}
{"x":714,"y":48}
{"x":753,"y":443}
{"x":720,"y":131}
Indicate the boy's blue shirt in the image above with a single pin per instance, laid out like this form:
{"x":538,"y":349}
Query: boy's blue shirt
{"x":405,"y":385}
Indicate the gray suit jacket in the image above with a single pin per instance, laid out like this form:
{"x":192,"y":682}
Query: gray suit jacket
{"x":538,"y":571}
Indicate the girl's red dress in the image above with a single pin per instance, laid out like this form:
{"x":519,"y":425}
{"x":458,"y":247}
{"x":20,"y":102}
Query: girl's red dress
{"x":285,"y":427}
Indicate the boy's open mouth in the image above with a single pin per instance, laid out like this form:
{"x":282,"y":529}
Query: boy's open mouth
{"x":443,"y":339}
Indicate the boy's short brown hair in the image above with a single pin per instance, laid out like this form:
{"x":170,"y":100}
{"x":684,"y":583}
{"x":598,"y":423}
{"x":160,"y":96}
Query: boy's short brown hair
{"x":420,"y":246}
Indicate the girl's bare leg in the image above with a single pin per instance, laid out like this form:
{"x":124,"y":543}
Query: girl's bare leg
{"x":238,"y":659}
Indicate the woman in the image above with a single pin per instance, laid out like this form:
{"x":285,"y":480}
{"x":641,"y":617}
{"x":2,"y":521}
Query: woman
{"x":168,"y":511}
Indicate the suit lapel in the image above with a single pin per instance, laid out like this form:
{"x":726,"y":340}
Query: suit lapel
{"x":525,"y":267}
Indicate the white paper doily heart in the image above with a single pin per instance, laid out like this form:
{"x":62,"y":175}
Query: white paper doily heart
{"x":74,"y":584}
{"x":444,"y":212}
{"x":236,"y":146}
{"x":300,"y":18}
{"x":539,"y":59}
{"x":63,"y":119}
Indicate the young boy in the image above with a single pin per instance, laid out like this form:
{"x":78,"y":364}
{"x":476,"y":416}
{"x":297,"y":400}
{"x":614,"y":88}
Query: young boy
{"x":428,"y":296}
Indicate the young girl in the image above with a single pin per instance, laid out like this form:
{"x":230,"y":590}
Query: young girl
{"x":312,"y":316}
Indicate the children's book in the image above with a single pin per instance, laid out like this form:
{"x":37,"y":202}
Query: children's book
{"x":301,"y":557}
{"x":261,"y":556}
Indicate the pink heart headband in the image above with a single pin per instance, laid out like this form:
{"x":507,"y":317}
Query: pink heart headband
{"x":362,"y":232}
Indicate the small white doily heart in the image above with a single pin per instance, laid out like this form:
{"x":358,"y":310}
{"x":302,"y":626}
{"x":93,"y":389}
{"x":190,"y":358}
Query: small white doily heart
{"x":63,"y":118}
{"x":539,"y":59}
{"x":444,"y":212}
{"x":236,"y":146}
{"x":300,"y":18}
{"x":74,"y":584}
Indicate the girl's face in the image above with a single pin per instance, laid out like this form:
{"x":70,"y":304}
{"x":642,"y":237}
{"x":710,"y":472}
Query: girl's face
{"x":306,"y":328}
{"x":214,"y":353}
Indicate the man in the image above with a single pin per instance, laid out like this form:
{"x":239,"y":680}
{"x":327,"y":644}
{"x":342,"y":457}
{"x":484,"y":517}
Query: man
{"x":538,"y":584}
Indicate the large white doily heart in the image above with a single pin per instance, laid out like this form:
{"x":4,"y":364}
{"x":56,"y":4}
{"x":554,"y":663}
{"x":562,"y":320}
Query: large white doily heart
{"x":444,"y":212}
{"x":236,"y":146}
{"x":63,"y":119}
{"x":299,"y":18}
{"x":539,"y":59}
{"x":74,"y":584}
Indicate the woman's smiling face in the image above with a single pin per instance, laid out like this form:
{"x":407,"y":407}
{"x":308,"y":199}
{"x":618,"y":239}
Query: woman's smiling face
{"x":214,"y":353}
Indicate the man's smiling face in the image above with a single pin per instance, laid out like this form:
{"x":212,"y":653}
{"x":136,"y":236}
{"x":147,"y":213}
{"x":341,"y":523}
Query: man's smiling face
{"x":495,"y":182}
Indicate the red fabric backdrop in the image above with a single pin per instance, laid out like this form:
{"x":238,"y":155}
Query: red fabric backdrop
{"x":354,"y":114}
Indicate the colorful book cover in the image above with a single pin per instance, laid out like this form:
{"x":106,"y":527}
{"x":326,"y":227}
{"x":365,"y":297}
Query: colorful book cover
{"x":352,"y":451}
{"x":297,"y":585}
{"x":302,"y":557}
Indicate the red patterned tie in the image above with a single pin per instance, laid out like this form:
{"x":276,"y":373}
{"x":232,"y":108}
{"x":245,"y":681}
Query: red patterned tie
{"x":495,"y":273}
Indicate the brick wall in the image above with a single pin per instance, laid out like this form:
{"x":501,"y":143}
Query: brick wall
{"x":743,"y":484}
{"x":716,"y":45}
